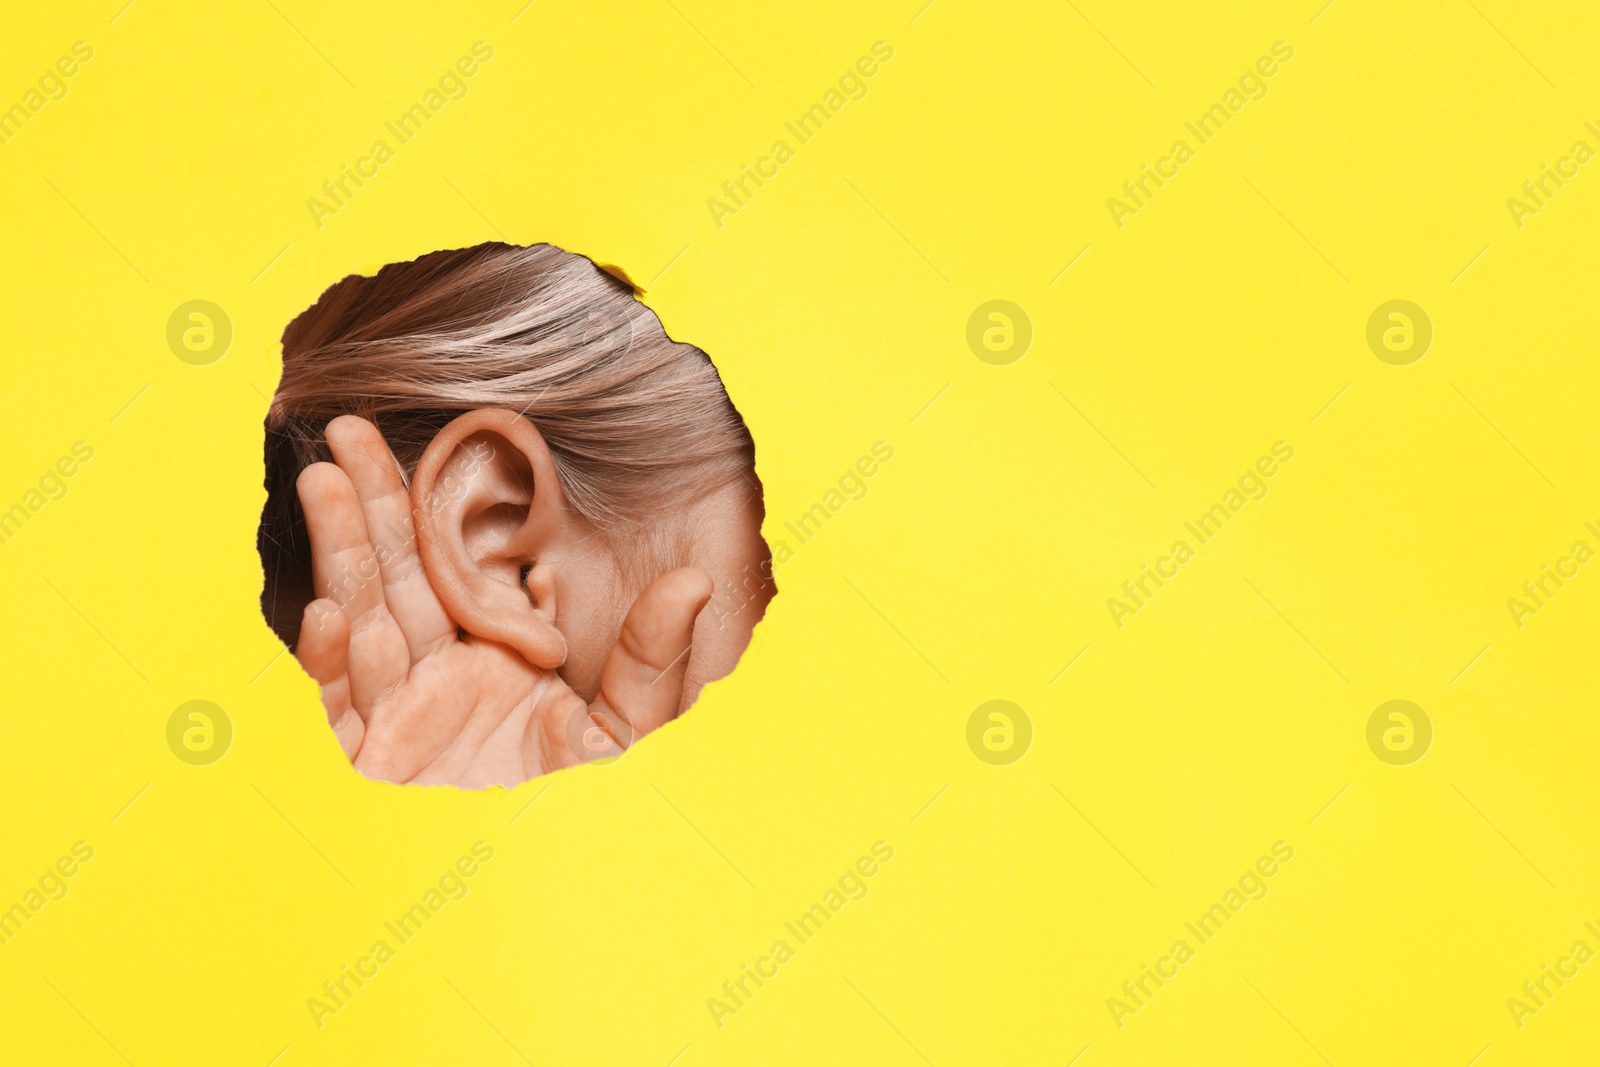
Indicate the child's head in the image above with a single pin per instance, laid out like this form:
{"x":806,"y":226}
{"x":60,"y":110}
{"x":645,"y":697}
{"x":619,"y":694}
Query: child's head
{"x":654,"y":466}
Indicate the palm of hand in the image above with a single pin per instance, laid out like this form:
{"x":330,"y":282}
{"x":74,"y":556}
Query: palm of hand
{"x":413,"y":700}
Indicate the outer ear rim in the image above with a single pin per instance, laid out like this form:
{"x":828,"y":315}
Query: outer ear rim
{"x":539,"y":642}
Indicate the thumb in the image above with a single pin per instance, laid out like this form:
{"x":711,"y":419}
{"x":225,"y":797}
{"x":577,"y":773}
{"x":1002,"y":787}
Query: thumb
{"x":641,"y":686}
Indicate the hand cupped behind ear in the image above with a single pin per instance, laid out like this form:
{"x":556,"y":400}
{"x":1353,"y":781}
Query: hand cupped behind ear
{"x":400,"y":577}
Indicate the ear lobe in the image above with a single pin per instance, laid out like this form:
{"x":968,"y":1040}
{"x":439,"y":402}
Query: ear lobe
{"x":486,"y":502}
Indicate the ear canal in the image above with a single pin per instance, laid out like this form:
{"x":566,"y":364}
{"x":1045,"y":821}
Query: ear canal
{"x":468,"y":496}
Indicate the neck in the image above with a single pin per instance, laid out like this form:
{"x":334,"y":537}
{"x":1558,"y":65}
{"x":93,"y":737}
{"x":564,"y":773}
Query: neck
{"x":727,"y":545}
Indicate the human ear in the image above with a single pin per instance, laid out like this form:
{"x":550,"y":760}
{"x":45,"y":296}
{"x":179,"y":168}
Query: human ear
{"x":487,"y":506}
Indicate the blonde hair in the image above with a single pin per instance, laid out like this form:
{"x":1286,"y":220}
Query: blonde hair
{"x":639,"y":426}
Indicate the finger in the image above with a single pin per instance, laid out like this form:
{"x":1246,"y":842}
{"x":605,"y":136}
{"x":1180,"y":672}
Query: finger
{"x":324,"y":651}
{"x":361,"y":452}
{"x":350,"y":731}
{"x":564,"y":732}
{"x":642,"y":683}
{"x":345,"y":570}
{"x":324,"y":645}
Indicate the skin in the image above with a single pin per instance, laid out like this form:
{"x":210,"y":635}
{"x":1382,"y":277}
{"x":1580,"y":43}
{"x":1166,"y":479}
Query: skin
{"x":463,"y":644}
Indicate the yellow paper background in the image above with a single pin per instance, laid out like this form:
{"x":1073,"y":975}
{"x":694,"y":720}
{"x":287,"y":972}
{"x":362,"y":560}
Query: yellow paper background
{"x":1225,"y":716}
